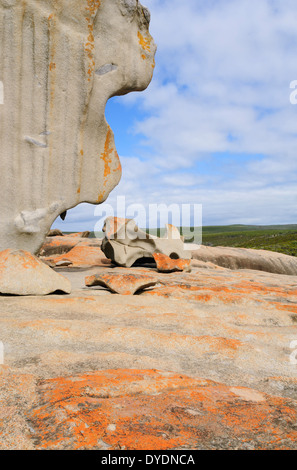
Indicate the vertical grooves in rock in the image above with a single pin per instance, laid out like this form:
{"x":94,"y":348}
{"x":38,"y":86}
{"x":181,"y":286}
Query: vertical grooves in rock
{"x":64,"y":118}
{"x":56,"y":148}
{"x":43,"y":104}
{"x":9,"y":73}
{"x":27,"y":107}
{"x":51,"y":98}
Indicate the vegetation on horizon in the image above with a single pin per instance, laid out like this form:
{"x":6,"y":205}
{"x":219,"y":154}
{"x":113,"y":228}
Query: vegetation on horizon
{"x":279,"y":238}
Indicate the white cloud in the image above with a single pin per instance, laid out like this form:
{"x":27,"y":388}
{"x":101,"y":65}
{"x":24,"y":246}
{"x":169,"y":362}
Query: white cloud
{"x":221,"y":92}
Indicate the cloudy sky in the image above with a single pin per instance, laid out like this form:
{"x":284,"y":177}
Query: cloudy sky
{"x":216,"y":126}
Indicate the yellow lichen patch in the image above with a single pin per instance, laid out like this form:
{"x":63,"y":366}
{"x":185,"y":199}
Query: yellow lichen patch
{"x":100,"y":197}
{"x":106,"y":155}
{"x":91,"y":8}
{"x":81,"y":256}
{"x":144,"y":42}
{"x":52,"y":66}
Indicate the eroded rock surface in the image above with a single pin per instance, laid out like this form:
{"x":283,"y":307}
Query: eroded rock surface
{"x":124,"y":284}
{"x":243,"y":258}
{"x":21,"y":273}
{"x":168,"y":265}
{"x":85,"y":234}
{"x":60,"y":61}
{"x":79,"y":256}
{"x":221,"y":344}
{"x":125,"y":243}
{"x":54,"y":246}
{"x":55,"y":233}
{"x":142,"y":410}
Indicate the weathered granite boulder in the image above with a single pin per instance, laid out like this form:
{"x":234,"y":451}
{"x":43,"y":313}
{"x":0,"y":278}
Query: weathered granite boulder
{"x":93,"y":411}
{"x":79,"y":256}
{"x":125,"y":243}
{"x":57,"y":246}
{"x":84,"y":234}
{"x":204,"y":360}
{"x":21,"y":273}
{"x":124,"y":284}
{"x":60,"y":61}
{"x":55,"y":233}
{"x":168,"y":265}
{"x":243,"y":258}
{"x":54,"y":246}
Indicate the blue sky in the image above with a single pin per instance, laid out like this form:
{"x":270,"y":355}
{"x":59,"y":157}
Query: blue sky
{"x":216,"y":126}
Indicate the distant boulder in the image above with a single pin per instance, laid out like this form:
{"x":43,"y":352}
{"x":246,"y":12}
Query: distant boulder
{"x":21,"y":273}
{"x":61,"y":245}
{"x":242,"y":258}
{"x":126,"y":244}
{"x":80,"y":256}
{"x":55,"y":233}
{"x":85,"y":234}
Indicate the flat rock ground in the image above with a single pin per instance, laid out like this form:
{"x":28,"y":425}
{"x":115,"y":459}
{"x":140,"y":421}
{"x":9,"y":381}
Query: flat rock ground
{"x":200,"y":361}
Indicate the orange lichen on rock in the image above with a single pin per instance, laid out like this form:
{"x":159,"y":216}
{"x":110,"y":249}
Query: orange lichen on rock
{"x":144,"y":42}
{"x":228,"y":289}
{"x":22,"y":273}
{"x":109,"y":157}
{"x":154,"y":410}
{"x":168,"y":265}
{"x":80,"y":256}
{"x":57,"y":245}
{"x":108,"y":150}
{"x":82,"y":53}
{"x":84,"y":234}
{"x":124,"y":284}
{"x":114,"y":224}
{"x":91,"y":8}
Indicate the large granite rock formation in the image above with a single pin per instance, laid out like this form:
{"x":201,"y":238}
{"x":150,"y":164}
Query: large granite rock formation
{"x":21,"y":273}
{"x":61,"y":245}
{"x":79,"y":256}
{"x":243,"y":258}
{"x":124,"y":284}
{"x":60,"y":61}
{"x":125,"y":243}
{"x":168,"y":265}
{"x":93,"y":411}
{"x":204,"y":360}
